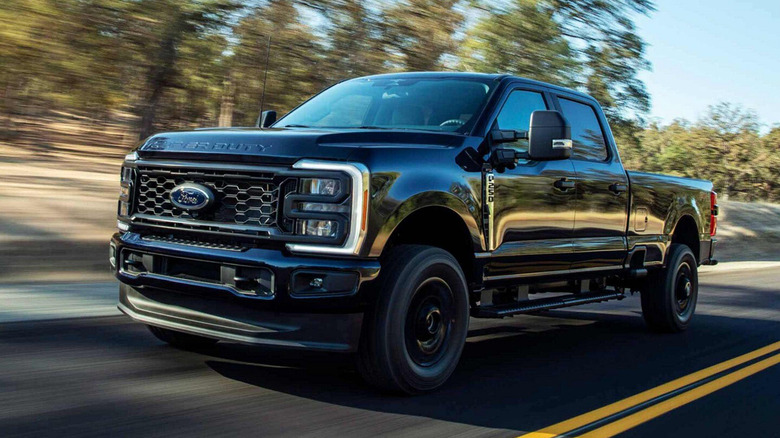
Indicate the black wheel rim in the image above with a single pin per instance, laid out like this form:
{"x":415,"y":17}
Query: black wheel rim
{"x":429,"y":320}
{"x":684,"y":289}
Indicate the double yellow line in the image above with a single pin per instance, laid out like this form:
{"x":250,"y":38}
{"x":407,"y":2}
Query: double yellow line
{"x":655,"y":410}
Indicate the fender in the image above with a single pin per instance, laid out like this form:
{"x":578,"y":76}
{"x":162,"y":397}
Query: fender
{"x":423,"y":200}
{"x":689,"y":207}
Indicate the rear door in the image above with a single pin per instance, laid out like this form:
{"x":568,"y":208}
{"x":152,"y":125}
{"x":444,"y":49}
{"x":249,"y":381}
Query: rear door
{"x":599,"y":238}
{"x":533,"y":213}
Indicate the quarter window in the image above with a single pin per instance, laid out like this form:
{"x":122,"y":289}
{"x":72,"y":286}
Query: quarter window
{"x":586,"y":131}
{"x":516,"y":113}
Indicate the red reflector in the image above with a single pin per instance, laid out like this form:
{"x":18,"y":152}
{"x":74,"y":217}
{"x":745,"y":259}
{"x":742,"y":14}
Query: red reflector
{"x":713,"y":213}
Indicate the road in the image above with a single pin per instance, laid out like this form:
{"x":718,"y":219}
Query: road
{"x":71,"y":366}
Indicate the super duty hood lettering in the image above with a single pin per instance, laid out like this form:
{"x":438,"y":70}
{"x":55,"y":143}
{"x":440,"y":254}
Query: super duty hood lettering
{"x":164,"y":144}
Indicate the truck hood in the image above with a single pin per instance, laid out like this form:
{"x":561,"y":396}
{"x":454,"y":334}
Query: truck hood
{"x":284,"y":146}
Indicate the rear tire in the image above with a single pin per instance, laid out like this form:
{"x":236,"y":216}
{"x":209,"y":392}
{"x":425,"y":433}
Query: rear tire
{"x":414,"y":333}
{"x":670,"y":296}
{"x":184,"y":341}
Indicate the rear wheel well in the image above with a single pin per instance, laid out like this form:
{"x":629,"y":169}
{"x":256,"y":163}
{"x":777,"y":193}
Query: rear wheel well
{"x":439,"y":227}
{"x":687,"y":233}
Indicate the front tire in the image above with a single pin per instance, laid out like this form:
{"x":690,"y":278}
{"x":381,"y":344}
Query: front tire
{"x":184,"y":341}
{"x":669,"y":299}
{"x":414,"y":334}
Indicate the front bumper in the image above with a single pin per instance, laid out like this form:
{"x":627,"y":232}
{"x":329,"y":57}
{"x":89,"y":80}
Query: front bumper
{"x":288,"y":313}
{"x":231,"y":321}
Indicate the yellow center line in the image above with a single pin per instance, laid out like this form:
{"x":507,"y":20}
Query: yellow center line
{"x":626,"y":403}
{"x":663,"y":407}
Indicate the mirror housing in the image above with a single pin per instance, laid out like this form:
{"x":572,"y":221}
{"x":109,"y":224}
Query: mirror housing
{"x":266,"y":119}
{"x":507,"y":136}
{"x":549,"y":137}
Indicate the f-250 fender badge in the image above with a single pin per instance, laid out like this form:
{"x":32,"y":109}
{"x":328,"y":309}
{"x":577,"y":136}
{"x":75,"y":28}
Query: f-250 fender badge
{"x":192,"y":197}
{"x":562,"y":144}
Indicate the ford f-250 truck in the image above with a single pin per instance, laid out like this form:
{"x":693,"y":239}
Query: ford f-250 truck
{"x":384,"y":212}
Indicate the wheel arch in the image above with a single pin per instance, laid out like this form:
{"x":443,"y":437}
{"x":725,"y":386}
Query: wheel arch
{"x":437,"y":219}
{"x":686,"y":231}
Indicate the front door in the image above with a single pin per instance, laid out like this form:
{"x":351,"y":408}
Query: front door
{"x":602,"y":190}
{"x":533,"y":208}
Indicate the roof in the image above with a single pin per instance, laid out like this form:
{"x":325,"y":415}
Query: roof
{"x":472,"y":76}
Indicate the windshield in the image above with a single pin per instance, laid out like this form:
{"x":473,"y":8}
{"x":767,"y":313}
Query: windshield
{"x":449,"y":105}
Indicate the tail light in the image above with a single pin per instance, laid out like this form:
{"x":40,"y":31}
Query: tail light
{"x":713,"y":213}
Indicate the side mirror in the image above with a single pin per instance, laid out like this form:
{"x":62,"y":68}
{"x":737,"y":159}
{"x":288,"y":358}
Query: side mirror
{"x":266,"y":119}
{"x":549,"y":137}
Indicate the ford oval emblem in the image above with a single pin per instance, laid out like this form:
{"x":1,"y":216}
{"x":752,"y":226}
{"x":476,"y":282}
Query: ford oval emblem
{"x":192,"y":197}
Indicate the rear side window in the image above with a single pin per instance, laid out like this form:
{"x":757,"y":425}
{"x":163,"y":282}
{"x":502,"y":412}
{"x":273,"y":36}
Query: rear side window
{"x":586,"y":131}
{"x":516,"y":113}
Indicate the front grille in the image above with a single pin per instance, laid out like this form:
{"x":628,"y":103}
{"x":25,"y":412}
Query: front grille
{"x":243,"y":198}
{"x":200,"y":243}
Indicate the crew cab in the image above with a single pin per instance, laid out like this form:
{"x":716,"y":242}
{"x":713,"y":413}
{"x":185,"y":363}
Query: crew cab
{"x":382,"y":214}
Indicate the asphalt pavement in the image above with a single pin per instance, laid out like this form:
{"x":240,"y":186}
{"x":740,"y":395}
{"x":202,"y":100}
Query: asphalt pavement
{"x":70,"y":365}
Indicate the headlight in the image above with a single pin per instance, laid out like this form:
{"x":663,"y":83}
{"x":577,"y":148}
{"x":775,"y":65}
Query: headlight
{"x":318,"y":228}
{"x":320,"y":186}
{"x":321,"y":207}
{"x":125,"y":192}
{"x":331,"y":210}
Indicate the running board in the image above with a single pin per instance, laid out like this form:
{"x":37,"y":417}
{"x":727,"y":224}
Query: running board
{"x":544,"y":304}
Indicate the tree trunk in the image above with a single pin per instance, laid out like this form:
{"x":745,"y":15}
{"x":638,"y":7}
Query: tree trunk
{"x":226,"y":106}
{"x":161,"y":74}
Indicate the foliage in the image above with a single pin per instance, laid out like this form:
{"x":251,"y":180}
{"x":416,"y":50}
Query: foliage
{"x":725,"y":146}
{"x":177,"y":64}
{"x":591,"y":44}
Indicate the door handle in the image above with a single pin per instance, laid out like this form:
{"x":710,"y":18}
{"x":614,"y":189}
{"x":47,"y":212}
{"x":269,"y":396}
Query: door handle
{"x":564,"y":184}
{"x":618,"y":188}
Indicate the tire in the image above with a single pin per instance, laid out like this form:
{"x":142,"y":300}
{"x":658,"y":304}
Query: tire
{"x":669,"y":299}
{"x":414,"y":333}
{"x":184,"y":341}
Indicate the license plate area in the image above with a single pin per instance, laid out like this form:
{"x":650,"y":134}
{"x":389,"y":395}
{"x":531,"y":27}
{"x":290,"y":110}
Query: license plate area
{"x":243,"y":280}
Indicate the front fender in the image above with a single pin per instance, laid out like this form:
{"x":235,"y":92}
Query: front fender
{"x":466,"y":210}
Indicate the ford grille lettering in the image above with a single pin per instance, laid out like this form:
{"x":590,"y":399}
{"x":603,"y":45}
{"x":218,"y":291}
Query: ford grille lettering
{"x":192,"y":197}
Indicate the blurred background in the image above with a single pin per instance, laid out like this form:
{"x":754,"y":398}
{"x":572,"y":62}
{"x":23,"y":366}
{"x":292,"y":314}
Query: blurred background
{"x":81,"y":81}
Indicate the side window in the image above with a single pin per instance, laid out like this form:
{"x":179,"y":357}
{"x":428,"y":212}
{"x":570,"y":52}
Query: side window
{"x":586,"y":131}
{"x":516,"y":113}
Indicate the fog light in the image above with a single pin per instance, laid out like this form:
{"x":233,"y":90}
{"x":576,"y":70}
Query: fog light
{"x":112,"y":255}
{"x":318,"y":228}
{"x":123,"y":226}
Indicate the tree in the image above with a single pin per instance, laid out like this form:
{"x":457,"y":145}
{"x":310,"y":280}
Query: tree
{"x":523,"y":39}
{"x":355,"y":34}
{"x":612,"y":50}
{"x":182,"y":20}
{"x":295,"y":61}
{"x":420,"y":32}
{"x":767,"y":167}
{"x":592,"y":44}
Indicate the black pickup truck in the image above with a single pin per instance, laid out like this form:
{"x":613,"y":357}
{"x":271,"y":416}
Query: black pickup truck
{"x":384,"y":212}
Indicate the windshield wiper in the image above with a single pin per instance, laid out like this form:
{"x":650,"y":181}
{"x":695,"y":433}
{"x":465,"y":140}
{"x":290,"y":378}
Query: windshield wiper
{"x":375,"y":127}
{"x":296,"y":126}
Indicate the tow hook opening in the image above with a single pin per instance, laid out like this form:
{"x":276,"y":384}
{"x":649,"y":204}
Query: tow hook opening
{"x":244,"y":280}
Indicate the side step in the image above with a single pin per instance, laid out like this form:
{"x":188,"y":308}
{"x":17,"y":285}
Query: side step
{"x":544,"y":304}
